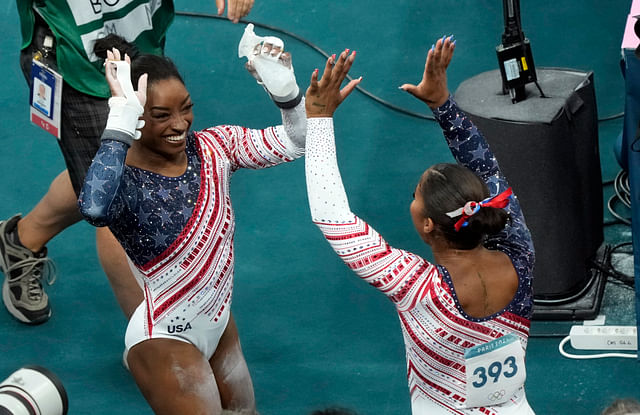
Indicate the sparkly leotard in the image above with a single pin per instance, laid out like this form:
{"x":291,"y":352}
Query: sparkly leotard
{"x":178,"y":231}
{"x":435,"y":327}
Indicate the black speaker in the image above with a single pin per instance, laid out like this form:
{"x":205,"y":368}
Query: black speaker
{"x":548,"y":149}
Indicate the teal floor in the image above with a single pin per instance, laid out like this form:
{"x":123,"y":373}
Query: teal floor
{"x":313,"y":334}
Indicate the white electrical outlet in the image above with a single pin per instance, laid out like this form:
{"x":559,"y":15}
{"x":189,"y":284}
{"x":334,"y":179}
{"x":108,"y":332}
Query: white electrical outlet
{"x":604,"y":337}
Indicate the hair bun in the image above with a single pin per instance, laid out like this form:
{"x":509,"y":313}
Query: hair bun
{"x":111,"y":41}
{"x":489,"y":220}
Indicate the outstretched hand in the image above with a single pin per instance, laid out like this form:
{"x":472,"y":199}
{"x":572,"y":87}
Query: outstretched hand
{"x":324,"y":96}
{"x":433,"y":87}
{"x":236,"y":9}
{"x":118,"y":90}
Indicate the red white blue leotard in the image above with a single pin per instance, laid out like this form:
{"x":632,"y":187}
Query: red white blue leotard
{"x":436,"y":329}
{"x":178,"y":231}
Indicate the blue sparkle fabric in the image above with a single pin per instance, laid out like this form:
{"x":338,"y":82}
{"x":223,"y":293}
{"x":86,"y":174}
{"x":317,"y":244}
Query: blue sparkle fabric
{"x":151,"y":209}
{"x":469,"y":147}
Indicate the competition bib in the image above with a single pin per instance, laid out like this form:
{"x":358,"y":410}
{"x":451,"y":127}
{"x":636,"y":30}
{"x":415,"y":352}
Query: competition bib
{"x":495,"y":371}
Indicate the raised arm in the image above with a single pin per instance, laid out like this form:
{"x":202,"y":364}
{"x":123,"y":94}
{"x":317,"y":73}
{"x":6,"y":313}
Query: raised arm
{"x":327,"y":197}
{"x":396,"y":273}
{"x":272,"y":67}
{"x":256,"y":149}
{"x":100,"y":200}
{"x":466,"y":143}
{"x":281,"y":85}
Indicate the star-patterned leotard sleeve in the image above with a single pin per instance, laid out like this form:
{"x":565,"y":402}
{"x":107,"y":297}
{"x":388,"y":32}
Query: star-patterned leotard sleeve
{"x":470,"y":148}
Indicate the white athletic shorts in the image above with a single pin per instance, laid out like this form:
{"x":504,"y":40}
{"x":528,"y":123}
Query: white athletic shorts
{"x":200,"y":331}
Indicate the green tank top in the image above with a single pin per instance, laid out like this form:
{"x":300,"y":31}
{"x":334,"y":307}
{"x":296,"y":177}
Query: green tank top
{"x":76,"y":24}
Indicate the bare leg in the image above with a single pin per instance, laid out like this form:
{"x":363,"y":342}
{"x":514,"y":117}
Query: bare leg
{"x":115,"y":265}
{"x":56,"y":211}
{"x":232,"y":373}
{"x":174,"y":378}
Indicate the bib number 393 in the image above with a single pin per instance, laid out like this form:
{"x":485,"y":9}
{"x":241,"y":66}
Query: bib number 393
{"x":495,"y":371}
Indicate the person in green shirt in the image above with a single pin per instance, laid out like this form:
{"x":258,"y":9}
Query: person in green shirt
{"x":61,"y":34}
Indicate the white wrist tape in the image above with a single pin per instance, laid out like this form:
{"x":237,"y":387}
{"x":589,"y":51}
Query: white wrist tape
{"x":278,"y":79}
{"x":125,"y":111}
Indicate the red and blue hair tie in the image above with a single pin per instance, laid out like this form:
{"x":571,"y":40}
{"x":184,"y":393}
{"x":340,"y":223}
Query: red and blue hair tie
{"x":470,"y":208}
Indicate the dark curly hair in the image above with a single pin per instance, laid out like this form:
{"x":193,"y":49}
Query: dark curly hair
{"x":446,"y":187}
{"x":157,"y":68}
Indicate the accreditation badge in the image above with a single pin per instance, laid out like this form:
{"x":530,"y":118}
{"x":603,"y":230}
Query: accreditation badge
{"x":45,"y":98}
{"x":495,"y":371}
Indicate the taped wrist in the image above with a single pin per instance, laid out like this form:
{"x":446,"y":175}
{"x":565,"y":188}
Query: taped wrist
{"x":124,"y":117}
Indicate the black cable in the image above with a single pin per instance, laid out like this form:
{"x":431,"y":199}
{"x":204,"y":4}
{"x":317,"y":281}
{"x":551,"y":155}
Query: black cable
{"x":323,"y":53}
{"x":612,"y":117}
{"x":620,"y":245}
{"x":615,"y":214}
{"x":579,"y":294}
{"x":326,"y":55}
{"x":613,"y":222}
{"x":622,"y":190}
{"x":621,"y":284}
{"x":606,"y":266}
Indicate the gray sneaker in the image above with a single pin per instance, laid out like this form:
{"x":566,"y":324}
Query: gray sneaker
{"x":24,"y":272}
